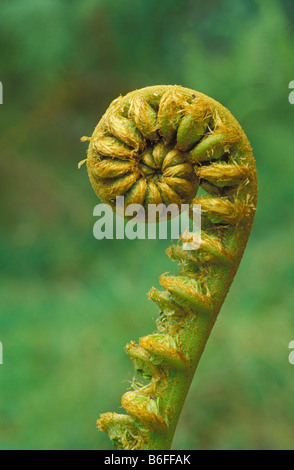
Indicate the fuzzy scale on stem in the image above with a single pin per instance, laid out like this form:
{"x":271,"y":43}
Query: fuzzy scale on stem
{"x":157,"y":145}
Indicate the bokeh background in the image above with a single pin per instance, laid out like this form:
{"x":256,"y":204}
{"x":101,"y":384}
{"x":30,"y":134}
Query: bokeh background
{"x":70,"y":303}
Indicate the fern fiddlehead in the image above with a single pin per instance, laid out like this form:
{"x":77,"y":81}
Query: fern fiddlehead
{"x":157,"y":145}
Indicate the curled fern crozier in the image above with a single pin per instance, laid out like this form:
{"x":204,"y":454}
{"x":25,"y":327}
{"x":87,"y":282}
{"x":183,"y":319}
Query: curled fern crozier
{"x":158,"y":145}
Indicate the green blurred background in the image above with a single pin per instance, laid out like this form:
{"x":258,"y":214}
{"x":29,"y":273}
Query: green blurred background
{"x":70,"y":303}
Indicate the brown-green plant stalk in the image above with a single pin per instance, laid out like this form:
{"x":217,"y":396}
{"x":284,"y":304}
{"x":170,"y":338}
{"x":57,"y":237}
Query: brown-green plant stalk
{"x":158,"y":145}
